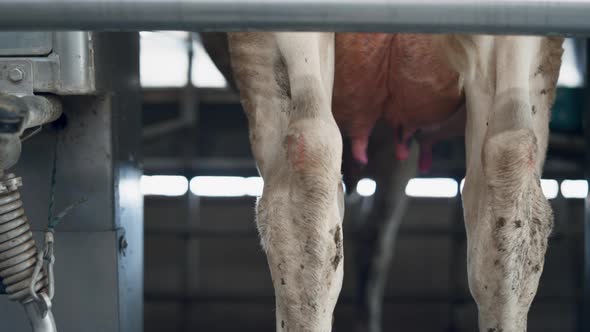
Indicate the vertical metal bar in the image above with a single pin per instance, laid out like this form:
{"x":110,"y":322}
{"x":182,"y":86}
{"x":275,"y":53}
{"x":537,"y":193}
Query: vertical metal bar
{"x":189,"y":109}
{"x":585,"y":308}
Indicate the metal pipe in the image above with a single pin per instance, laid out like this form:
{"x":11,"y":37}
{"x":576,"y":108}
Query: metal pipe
{"x":584,"y":307}
{"x":39,"y":323}
{"x":438,"y":16}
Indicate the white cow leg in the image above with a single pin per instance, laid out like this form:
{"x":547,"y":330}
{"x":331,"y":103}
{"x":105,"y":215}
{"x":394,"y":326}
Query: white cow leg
{"x":508,"y":219}
{"x":508,"y":235}
{"x":285,"y":82}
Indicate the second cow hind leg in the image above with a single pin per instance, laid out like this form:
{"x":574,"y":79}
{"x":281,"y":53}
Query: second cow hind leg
{"x":285,"y":82}
{"x":508,"y":219}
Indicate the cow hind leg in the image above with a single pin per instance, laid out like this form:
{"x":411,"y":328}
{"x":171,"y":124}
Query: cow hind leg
{"x":285,"y":82}
{"x":509,"y":90}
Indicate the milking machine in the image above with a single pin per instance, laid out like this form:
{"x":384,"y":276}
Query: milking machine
{"x":86,"y":79}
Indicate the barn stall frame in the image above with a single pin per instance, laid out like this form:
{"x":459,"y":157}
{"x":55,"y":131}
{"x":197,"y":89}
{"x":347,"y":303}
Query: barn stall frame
{"x":482,"y":16}
{"x":94,"y":109}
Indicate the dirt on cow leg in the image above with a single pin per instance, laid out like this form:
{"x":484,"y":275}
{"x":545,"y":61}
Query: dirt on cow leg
{"x":508,"y":219}
{"x":505,"y":279}
{"x":283,"y":82}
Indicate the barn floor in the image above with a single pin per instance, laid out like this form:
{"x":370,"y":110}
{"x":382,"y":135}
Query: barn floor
{"x":230,"y":288}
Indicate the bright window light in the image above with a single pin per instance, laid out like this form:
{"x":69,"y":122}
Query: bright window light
{"x":432,"y":187}
{"x":218,"y":186}
{"x":254,"y":186}
{"x":225,"y":186}
{"x":164,"y":62}
{"x":366,"y":187}
{"x":550,"y":188}
{"x":569,"y":73}
{"x":163,"y":59}
{"x":164,"y":185}
{"x":574,"y":188}
{"x":205,"y":74}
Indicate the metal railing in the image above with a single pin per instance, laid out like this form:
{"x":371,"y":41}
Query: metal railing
{"x":438,"y":16}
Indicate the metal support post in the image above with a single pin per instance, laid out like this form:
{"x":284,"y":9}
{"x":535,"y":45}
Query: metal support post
{"x":99,"y":246}
{"x":584,"y":316}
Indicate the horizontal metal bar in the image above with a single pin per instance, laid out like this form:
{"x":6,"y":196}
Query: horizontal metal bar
{"x":201,"y":166}
{"x":438,"y":16}
{"x":215,"y":96}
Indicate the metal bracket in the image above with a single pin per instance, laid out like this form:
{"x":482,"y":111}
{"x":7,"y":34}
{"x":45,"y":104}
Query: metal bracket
{"x":68,"y":70}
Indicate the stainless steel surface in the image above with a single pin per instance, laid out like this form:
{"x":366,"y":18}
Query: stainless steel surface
{"x":77,"y":57}
{"x":39,"y":322}
{"x":69,"y":69}
{"x":491,"y":16}
{"x":41,"y":74}
{"x":25,"y":43}
{"x":128,"y":200}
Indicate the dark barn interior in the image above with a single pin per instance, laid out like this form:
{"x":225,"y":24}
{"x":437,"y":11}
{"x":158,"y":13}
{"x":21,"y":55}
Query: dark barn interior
{"x":205,"y":269}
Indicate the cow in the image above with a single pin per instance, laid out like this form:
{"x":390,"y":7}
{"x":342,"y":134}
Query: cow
{"x":301,"y":90}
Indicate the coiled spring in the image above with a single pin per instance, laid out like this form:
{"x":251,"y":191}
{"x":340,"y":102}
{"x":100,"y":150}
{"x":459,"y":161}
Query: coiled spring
{"x":18,"y":252}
